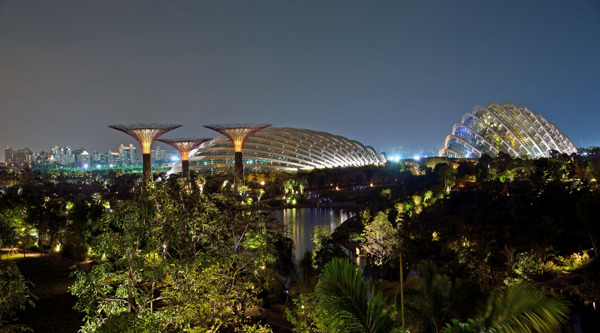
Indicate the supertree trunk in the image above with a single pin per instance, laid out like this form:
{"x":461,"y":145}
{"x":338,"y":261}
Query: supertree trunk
{"x":147,"y":169}
{"x":185,"y":169}
{"x":239,"y":170}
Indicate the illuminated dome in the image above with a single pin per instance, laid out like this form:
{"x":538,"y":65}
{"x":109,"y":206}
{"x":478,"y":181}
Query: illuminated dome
{"x":514,"y":130}
{"x":280,"y":149}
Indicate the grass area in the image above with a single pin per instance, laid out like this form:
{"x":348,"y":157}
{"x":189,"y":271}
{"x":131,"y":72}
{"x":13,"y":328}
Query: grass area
{"x":11,"y":256}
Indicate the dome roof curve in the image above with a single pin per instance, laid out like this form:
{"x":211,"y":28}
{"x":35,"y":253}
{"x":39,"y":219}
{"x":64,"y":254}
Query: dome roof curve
{"x":283,"y":149}
{"x":505,"y":127}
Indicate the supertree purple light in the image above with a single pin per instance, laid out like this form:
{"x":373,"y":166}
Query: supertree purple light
{"x":238,"y":134}
{"x":184,"y":146}
{"x":145,"y":134}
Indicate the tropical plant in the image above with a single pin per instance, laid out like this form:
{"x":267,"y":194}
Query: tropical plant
{"x":347,"y":302}
{"x":519,"y":308}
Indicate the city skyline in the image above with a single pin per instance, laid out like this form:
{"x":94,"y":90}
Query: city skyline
{"x":388,"y":74}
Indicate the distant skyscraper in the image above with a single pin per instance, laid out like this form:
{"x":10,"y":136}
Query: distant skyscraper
{"x":63,"y":156}
{"x":18,"y":158}
{"x":158,"y":155}
{"x":127,"y":154}
{"x":42,"y":158}
{"x":82,"y":158}
{"x":98,"y":158}
{"x":9,"y":155}
{"x":112,"y":158}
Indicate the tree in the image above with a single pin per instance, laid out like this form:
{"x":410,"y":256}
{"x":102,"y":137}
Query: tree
{"x":173,"y":259}
{"x":380,"y":239}
{"x":326,"y":248}
{"x":347,"y":302}
{"x":588,"y":210}
{"x":15,"y":295}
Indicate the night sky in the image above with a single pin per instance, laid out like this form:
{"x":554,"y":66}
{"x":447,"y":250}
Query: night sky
{"x":395,"y":75}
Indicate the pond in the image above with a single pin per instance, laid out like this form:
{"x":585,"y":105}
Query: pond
{"x":299,"y":224}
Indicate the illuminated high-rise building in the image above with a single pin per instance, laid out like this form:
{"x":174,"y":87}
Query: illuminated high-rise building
{"x":82,"y":157}
{"x":159,"y":155}
{"x":18,"y":158}
{"x":127,"y":154}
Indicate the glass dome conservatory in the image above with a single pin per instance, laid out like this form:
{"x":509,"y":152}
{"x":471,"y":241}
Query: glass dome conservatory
{"x":281,"y":149}
{"x":504,"y":127}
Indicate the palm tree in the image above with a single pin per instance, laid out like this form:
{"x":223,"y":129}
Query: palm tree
{"x":519,"y":308}
{"x":347,"y":302}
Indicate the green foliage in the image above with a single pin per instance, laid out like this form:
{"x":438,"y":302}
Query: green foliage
{"x":524,"y":268}
{"x":380,"y":239}
{"x":305,"y":315}
{"x":347,"y":303}
{"x":588,"y":290}
{"x":174,"y":258}
{"x":455,"y":326}
{"x":15,"y":295}
{"x":326,"y":248}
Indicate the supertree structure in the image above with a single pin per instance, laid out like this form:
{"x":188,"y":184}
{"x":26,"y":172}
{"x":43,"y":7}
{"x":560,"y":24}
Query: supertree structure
{"x":145,"y":134}
{"x":238,"y":134}
{"x":184,"y":146}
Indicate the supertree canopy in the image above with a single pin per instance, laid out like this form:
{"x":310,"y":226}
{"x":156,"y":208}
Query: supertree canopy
{"x":505,"y":127}
{"x":238,"y":134}
{"x":184,"y":146}
{"x":145,"y":134}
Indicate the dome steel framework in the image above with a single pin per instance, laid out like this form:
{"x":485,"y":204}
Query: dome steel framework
{"x":283,"y":149}
{"x":504,"y":127}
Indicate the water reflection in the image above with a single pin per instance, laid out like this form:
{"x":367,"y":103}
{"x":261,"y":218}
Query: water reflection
{"x":299,"y":224}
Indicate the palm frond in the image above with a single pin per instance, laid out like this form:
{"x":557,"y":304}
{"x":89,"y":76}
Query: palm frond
{"x":522,"y":308}
{"x":347,"y":303}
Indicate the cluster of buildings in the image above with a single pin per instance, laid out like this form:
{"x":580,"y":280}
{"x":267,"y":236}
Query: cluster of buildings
{"x":80,"y":158}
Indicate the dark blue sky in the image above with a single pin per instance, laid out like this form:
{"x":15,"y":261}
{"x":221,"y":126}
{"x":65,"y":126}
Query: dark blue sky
{"x":387,"y":73}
